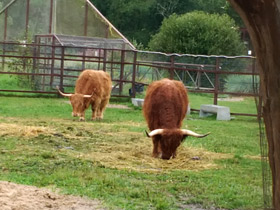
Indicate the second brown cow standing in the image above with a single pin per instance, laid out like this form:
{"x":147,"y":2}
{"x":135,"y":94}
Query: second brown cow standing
{"x":93,"y":88}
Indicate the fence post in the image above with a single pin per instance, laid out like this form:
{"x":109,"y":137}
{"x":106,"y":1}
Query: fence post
{"x":34,"y":66}
{"x":216,"y":90}
{"x":52,"y":59}
{"x":5,"y":37}
{"x":84,"y":58}
{"x":171,"y":69}
{"x":62,"y":68}
{"x":256,"y":89}
{"x":104,"y":58}
{"x":27,"y":19}
{"x":134,"y":74}
{"x":122,"y":71}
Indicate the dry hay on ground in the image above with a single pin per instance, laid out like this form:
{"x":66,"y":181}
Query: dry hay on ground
{"x":22,"y":197}
{"x":136,"y":156}
{"x":128,"y":150}
{"x":21,"y":130}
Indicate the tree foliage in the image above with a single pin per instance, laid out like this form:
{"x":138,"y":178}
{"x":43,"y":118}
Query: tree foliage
{"x":198,"y":33}
{"x":140,"y":19}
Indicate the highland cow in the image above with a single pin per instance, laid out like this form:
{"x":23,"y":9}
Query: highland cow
{"x":92,"y":88}
{"x":164,"y":109}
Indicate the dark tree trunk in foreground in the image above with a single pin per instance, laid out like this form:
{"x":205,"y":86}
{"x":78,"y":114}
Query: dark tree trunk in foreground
{"x":262,"y":19}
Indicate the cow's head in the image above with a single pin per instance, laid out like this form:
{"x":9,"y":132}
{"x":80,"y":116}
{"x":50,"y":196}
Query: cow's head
{"x":78,"y":103}
{"x":168,"y":140}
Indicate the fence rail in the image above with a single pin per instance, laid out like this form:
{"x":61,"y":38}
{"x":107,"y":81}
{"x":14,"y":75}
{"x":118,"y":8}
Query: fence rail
{"x":43,"y":65}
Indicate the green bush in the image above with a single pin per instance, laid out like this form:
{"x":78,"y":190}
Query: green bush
{"x":198,"y":33}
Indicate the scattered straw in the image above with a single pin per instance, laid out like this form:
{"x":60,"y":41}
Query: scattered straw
{"x":21,"y":130}
{"x":136,"y":156}
{"x":122,"y":149}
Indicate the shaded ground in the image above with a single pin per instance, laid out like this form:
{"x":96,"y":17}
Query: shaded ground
{"x":22,"y":197}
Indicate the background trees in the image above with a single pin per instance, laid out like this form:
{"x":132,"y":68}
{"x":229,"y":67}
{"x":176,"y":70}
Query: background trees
{"x":198,"y":33}
{"x":138,"y":20}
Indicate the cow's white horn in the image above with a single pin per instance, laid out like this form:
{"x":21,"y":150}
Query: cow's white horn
{"x":156,"y":132}
{"x":87,"y":96}
{"x":63,"y":94}
{"x":191,"y":133}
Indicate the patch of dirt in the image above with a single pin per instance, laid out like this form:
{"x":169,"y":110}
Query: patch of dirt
{"x":231,"y":99}
{"x":22,"y":197}
{"x":118,"y":106}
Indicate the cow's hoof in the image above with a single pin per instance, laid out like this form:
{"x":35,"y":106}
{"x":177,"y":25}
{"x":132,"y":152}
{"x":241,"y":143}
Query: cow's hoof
{"x":82,"y":119}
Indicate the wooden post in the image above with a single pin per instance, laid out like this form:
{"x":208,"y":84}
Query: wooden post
{"x":216,"y":90}
{"x":134,"y":74}
{"x":104,"y":59}
{"x":52,"y":60}
{"x":51,"y":17}
{"x":62,"y":68}
{"x":122,"y":71}
{"x":5,"y":38}
{"x":171,"y":70}
{"x":27,"y":19}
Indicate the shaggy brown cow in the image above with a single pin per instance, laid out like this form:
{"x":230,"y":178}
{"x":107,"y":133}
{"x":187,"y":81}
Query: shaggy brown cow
{"x":164,"y":109}
{"x":92,"y":87}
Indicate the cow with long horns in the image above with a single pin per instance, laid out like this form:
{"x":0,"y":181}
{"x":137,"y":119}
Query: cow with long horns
{"x":164,"y":109}
{"x":93,"y":88}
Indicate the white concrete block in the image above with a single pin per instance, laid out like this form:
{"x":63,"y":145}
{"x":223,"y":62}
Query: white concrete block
{"x":137,"y":101}
{"x":223,"y":112}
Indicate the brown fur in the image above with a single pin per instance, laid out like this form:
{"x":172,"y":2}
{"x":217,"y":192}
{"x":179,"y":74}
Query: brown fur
{"x":165,"y":107}
{"x":95,"y":83}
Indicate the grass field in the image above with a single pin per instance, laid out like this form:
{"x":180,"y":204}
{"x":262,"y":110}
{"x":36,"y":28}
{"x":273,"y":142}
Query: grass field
{"x":42,"y":145}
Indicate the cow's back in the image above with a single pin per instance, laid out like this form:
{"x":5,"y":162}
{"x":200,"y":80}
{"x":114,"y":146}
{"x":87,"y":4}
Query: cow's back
{"x":165,"y":104}
{"x":93,"y":81}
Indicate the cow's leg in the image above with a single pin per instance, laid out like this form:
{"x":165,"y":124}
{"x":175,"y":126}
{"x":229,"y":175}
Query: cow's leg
{"x":82,"y":117}
{"x":95,"y":107}
{"x":102,"y":108}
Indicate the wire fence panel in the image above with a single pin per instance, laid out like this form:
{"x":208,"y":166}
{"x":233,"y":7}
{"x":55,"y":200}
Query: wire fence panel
{"x":60,"y":64}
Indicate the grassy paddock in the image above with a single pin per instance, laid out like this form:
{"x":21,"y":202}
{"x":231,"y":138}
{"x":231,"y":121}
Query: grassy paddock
{"x":42,"y":145}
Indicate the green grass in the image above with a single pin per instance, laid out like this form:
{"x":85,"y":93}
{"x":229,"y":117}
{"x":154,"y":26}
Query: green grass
{"x":245,"y":105}
{"x":54,"y":159}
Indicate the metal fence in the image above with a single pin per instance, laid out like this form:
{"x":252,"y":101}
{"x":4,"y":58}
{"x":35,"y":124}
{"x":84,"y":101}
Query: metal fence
{"x":55,"y":61}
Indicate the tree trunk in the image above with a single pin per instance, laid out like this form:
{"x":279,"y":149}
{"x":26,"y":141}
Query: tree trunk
{"x":262,"y":19}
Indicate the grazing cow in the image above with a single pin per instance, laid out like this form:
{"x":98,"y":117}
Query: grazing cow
{"x":164,"y":109}
{"x":92,"y":87}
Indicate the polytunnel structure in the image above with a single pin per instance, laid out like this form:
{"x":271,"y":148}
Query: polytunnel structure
{"x":22,"y":20}
{"x":47,"y":43}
